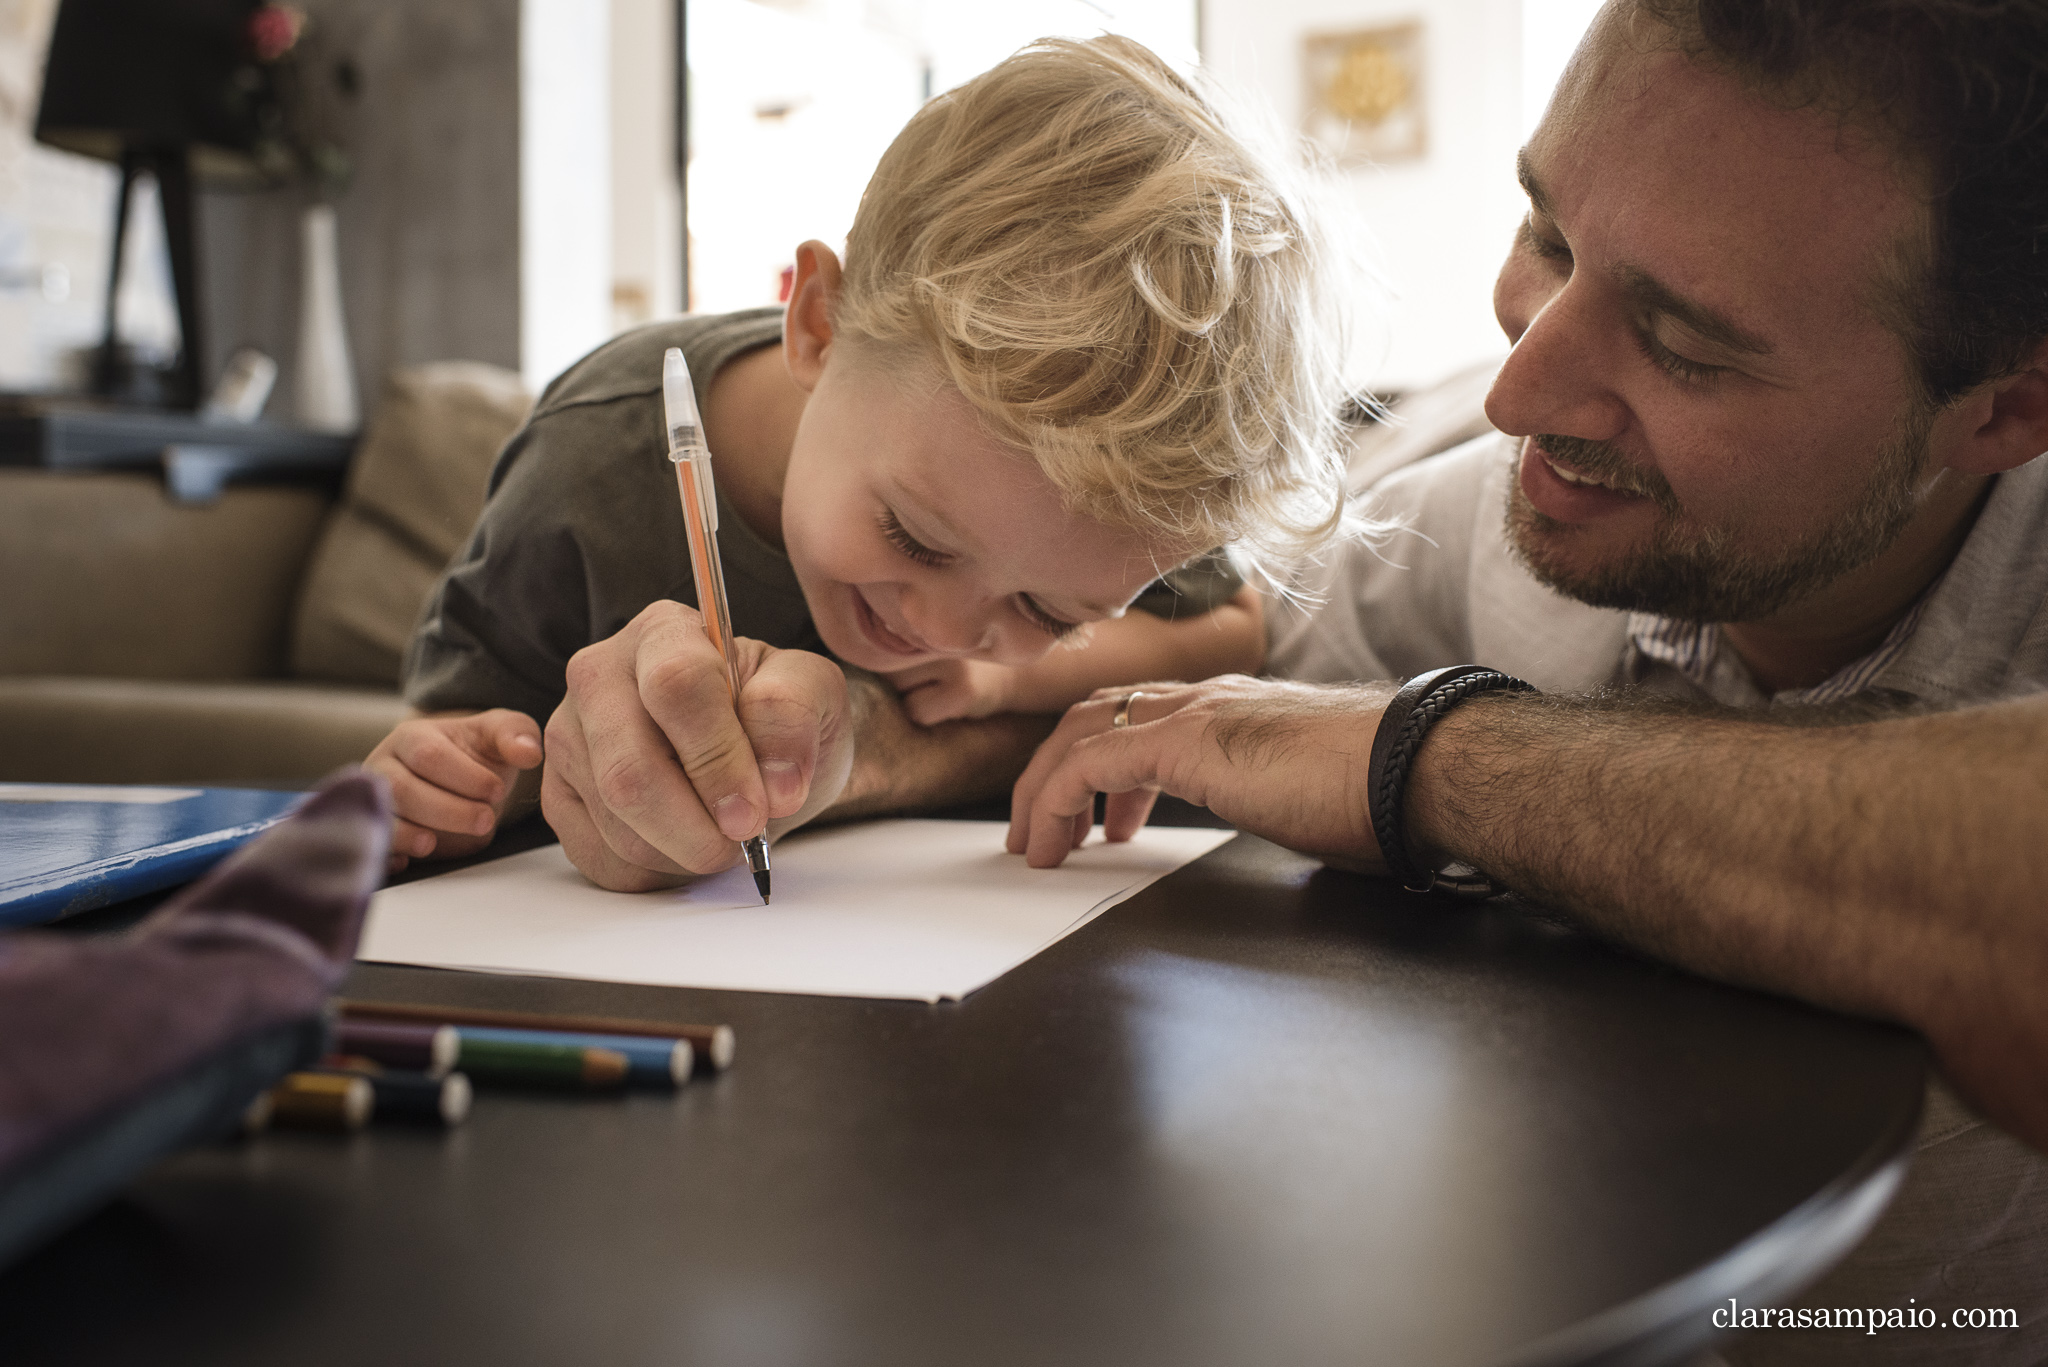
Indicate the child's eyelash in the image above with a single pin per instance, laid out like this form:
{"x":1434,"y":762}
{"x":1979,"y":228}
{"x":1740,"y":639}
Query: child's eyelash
{"x":893,"y":532}
{"x":896,"y":535}
{"x":1045,"y":621}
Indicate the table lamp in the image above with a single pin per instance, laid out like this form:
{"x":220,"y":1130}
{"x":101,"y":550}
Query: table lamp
{"x":172,"y":88}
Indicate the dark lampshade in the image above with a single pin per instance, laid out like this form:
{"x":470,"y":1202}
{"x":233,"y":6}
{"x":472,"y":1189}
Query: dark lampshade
{"x":161,"y":73}
{"x":170,"y":89}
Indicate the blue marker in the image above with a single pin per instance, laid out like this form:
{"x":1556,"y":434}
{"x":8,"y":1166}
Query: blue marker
{"x":649,"y":1062}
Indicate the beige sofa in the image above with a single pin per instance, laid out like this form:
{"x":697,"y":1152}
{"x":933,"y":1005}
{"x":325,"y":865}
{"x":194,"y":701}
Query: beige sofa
{"x":255,"y":639}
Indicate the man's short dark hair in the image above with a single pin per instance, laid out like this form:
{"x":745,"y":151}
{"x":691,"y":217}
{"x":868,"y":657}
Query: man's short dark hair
{"x":1962,"y":85}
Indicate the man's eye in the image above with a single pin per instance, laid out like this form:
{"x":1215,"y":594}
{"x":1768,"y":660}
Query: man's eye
{"x":1043,"y":620}
{"x":893,"y":532}
{"x":1671,"y":363}
{"x":1549,"y":248}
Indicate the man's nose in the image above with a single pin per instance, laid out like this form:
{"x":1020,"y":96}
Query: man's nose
{"x":1559,"y":379}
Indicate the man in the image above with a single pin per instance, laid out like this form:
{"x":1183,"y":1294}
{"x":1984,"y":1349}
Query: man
{"x":1778,"y":385}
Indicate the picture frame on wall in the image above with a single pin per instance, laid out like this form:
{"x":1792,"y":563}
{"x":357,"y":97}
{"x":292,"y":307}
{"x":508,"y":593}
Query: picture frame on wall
{"x":1365,"y":93}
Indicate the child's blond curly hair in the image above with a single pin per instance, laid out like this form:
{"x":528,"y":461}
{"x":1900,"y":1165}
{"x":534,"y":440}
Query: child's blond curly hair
{"x":1119,"y":278}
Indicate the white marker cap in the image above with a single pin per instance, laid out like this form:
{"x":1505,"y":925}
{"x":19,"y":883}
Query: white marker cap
{"x":679,"y":404}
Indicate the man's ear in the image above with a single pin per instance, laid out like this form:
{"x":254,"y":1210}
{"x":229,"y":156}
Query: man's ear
{"x":807,"y":328}
{"x":2009,"y":420}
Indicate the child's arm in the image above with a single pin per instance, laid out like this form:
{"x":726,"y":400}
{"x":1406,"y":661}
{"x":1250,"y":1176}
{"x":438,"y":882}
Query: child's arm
{"x":453,"y":777}
{"x":1135,"y":648}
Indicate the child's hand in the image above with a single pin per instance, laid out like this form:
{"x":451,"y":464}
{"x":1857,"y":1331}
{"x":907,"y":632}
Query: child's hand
{"x":947,"y":690}
{"x":451,"y":779}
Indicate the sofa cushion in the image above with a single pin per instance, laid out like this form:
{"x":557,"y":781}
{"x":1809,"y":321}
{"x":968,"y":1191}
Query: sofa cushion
{"x":105,"y":574}
{"x":414,"y":490}
{"x":74,"y":730}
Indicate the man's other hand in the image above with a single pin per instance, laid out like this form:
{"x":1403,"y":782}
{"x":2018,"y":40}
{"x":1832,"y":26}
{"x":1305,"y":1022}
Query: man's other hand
{"x":1282,"y":760}
{"x":654,"y":776}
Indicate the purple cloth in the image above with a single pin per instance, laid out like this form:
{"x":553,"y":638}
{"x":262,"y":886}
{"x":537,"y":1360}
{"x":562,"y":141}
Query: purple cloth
{"x":89,"y":1023}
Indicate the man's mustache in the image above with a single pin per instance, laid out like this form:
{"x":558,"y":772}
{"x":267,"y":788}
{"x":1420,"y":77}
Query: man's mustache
{"x":1603,"y":461}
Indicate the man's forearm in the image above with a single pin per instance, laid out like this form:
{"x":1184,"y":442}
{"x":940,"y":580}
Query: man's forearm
{"x":899,"y":766}
{"x":1892,"y":868}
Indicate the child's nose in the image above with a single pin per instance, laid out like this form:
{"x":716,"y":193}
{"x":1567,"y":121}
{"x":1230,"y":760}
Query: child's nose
{"x":951,"y":626}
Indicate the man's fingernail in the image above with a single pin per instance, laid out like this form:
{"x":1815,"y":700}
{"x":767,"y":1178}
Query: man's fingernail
{"x":781,"y":776}
{"x":735,"y":816}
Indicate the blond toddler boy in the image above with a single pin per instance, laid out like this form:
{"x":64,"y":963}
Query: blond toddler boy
{"x":1079,"y":341}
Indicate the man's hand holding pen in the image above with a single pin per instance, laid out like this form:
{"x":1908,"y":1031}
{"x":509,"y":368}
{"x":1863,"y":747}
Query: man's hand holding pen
{"x":654,"y":775}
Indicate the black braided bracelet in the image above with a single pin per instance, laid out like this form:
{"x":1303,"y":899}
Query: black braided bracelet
{"x":1421,"y":704}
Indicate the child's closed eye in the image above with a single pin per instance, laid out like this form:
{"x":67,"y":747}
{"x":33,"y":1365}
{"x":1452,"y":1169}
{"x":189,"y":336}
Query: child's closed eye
{"x":1052,"y":626}
{"x":894,"y":533}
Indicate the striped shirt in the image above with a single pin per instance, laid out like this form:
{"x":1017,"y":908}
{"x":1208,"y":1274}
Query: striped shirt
{"x":1450,"y":590}
{"x":1698,"y":651}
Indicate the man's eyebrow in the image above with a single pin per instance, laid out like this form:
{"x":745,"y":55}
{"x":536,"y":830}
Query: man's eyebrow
{"x":1648,"y":292}
{"x":1654,"y":296}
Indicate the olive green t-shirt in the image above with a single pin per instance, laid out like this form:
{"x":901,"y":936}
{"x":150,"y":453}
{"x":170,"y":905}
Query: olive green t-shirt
{"x":582,"y":528}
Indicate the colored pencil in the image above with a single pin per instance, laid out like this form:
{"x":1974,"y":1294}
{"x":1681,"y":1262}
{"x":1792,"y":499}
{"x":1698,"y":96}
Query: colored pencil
{"x":714,"y":1043}
{"x":429,"y":1049}
{"x":542,"y":1065}
{"x":419,"y":1099}
{"x":322,"y":1101}
{"x":406,"y":1096}
{"x":649,"y":1062}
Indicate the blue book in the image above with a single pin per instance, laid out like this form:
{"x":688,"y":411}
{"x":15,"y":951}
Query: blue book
{"x":67,"y":847}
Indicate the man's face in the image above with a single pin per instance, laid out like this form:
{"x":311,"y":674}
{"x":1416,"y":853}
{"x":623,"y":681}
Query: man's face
{"x":919,"y":537}
{"x":1716,"y":419}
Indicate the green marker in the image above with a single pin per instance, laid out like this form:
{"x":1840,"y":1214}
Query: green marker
{"x":510,"y":1064}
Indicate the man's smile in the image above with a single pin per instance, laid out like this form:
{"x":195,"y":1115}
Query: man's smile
{"x":1571,"y":494}
{"x":1569,"y":476}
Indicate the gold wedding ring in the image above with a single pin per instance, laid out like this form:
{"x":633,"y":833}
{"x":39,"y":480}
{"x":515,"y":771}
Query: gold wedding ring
{"x":1123,"y":712}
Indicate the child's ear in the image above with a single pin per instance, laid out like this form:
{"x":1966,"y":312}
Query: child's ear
{"x":807,"y":329}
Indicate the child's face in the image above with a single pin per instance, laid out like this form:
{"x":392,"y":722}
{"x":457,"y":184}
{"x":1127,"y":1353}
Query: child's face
{"x":918,"y":537}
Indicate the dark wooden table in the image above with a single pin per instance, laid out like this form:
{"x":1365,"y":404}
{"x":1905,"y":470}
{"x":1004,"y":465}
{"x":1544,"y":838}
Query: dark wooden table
{"x":1260,"y":1114}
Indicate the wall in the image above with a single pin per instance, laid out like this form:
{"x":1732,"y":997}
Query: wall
{"x":1551,"y":30}
{"x":646,"y":198}
{"x":565,"y":180}
{"x":817,"y":89}
{"x":429,"y":226}
{"x":1438,"y":226}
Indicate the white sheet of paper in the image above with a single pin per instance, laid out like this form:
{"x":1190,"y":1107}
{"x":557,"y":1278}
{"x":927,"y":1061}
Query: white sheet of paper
{"x":926,"y":910}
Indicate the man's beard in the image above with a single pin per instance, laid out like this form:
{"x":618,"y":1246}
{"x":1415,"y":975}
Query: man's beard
{"x":1699,"y":574}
